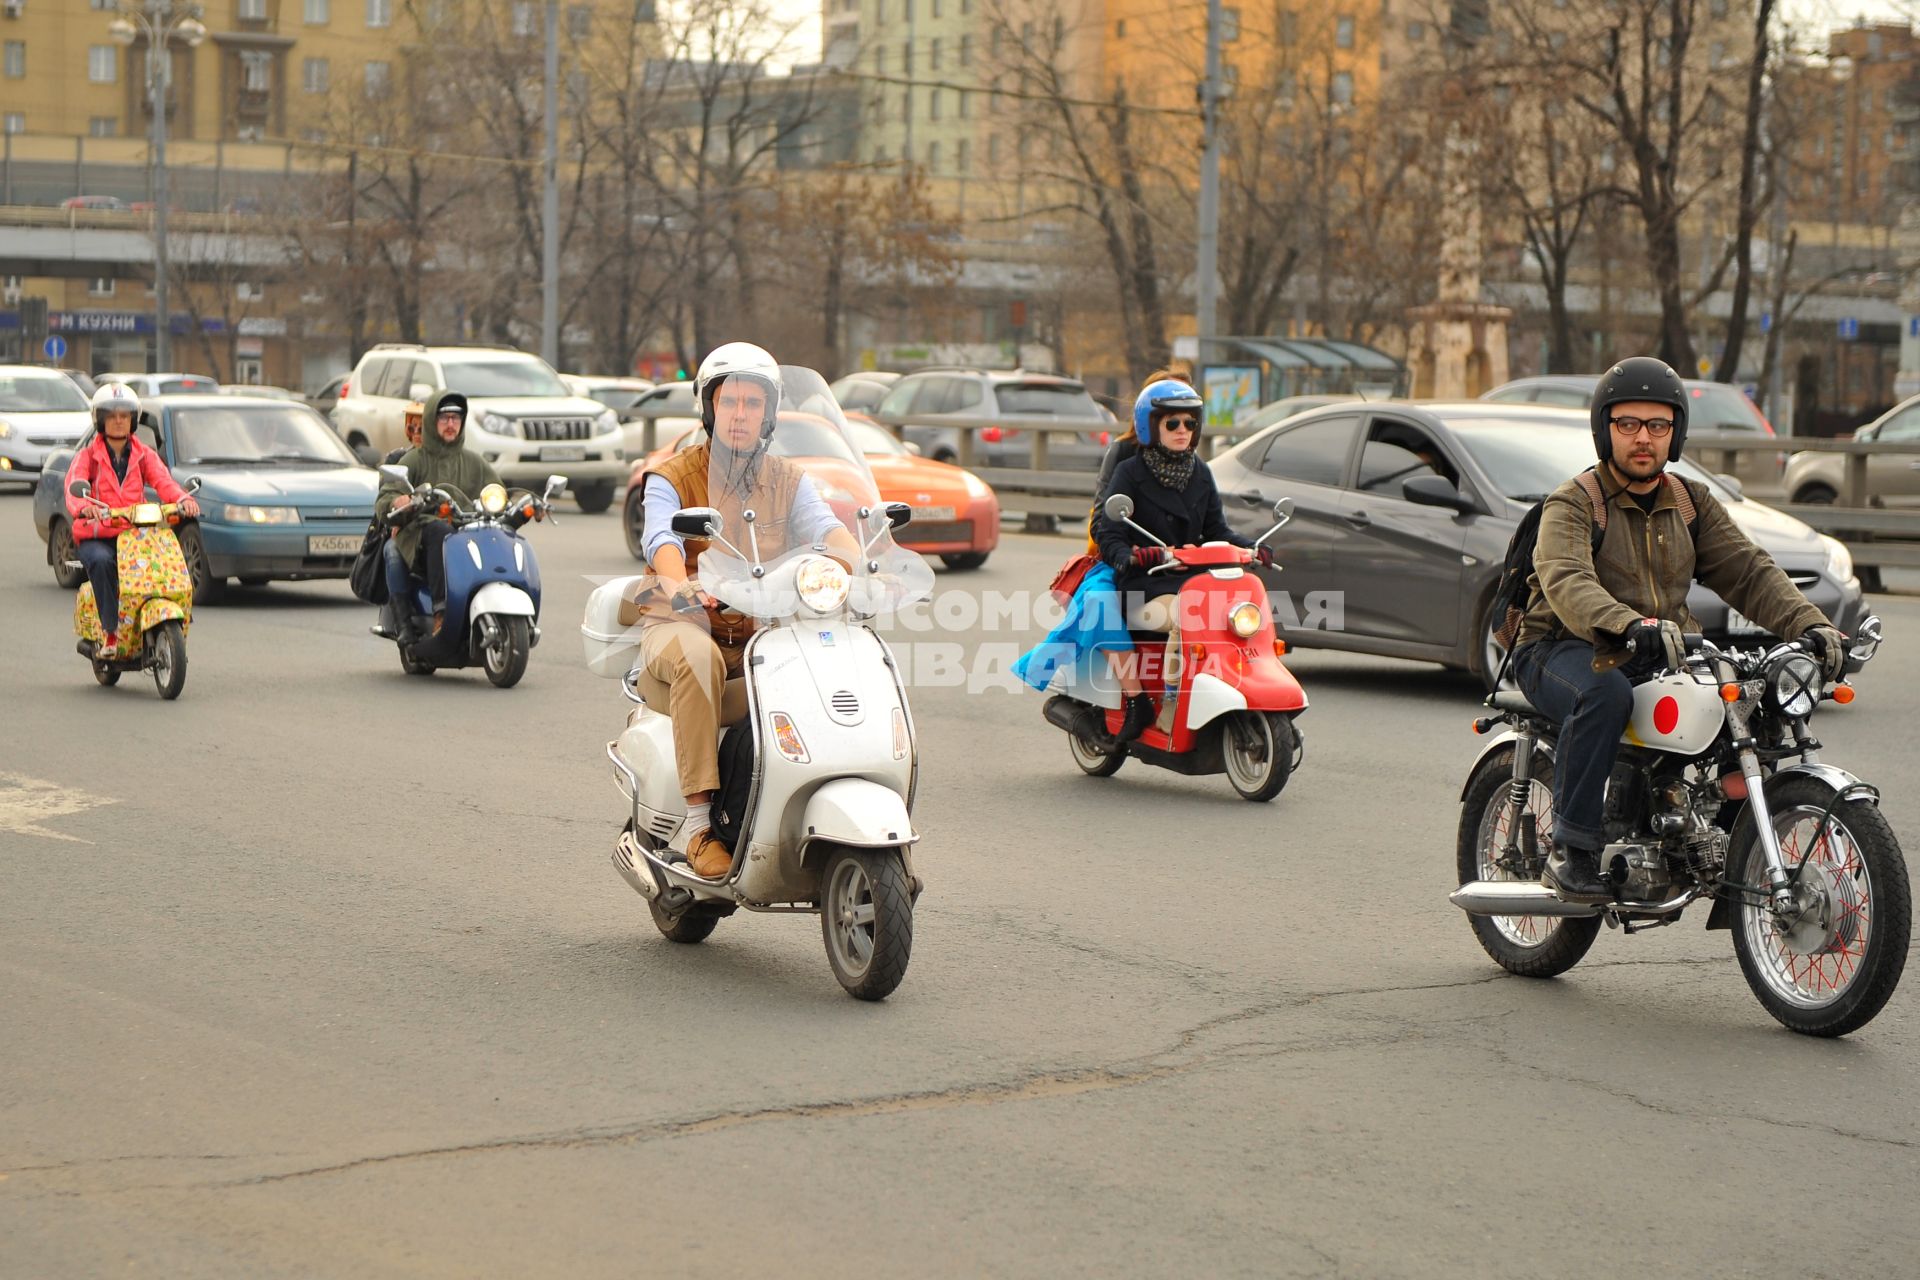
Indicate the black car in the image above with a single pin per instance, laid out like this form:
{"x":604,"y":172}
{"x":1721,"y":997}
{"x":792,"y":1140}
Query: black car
{"x":1403,"y":512}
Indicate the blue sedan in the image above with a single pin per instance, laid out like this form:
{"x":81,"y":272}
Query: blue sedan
{"x":280,"y":496}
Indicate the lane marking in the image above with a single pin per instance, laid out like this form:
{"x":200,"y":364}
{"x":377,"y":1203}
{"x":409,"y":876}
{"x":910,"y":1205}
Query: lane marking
{"x":26,"y":802}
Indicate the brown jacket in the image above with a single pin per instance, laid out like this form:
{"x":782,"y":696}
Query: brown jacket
{"x":1643,"y":568}
{"x":686,"y":471}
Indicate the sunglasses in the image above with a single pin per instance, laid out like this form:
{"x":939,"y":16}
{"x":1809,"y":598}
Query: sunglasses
{"x":1180,"y":422}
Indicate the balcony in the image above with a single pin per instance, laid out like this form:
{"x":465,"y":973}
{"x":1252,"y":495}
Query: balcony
{"x":253,"y":104}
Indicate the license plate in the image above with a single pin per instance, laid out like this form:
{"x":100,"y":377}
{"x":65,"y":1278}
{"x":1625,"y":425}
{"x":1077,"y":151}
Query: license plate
{"x":333,"y":544}
{"x":1738,"y":624}
{"x":563,"y":453}
{"x":933,"y":513}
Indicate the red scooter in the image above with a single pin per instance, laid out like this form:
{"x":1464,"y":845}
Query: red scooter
{"x":1233,"y":700}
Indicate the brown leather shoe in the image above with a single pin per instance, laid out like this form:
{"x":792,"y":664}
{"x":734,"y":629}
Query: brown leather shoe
{"x":707,"y":857}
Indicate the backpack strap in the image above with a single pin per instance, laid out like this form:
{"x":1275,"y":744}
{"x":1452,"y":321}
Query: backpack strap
{"x":1689,"y":509}
{"x":1596,"y":497}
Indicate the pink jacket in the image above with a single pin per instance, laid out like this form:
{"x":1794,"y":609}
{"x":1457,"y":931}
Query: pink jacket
{"x":92,"y":464}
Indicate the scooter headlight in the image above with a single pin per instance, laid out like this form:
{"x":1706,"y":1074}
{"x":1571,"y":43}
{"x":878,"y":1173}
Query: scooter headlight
{"x":1245,"y":619}
{"x":493,"y":499}
{"x":1794,"y":685}
{"x":146,"y":513}
{"x":822,"y":584}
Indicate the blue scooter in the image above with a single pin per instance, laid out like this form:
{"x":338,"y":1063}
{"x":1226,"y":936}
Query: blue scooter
{"x":493,"y":583}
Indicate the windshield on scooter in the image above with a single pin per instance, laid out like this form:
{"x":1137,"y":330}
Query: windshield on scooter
{"x":785,"y":457}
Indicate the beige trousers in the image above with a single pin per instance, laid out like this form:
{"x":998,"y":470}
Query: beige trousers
{"x":685,"y":658}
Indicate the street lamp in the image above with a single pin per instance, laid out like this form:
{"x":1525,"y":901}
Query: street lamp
{"x":160,"y":21}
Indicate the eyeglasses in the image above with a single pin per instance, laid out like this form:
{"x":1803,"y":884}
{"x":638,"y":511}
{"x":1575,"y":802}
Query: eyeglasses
{"x":1630,"y":427}
{"x":1180,"y":423}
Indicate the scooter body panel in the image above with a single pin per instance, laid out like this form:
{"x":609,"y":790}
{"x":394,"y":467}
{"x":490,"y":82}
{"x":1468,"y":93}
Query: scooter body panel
{"x":155,"y":587}
{"x":483,"y":563}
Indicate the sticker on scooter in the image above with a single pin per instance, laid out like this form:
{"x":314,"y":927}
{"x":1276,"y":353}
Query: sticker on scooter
{"x":826,"y":638}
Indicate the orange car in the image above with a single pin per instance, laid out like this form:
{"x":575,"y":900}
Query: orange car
{"x":955,"y":514}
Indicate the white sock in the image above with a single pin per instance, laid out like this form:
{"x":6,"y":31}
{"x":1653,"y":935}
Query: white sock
{"x":699,"y":818}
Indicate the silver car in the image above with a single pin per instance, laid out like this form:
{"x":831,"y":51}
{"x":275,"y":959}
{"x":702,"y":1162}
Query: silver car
{"x":1893,"y":478}
{"x":1403,"y":512}
{"x":918,"y":401}
{"x":41,"y":410}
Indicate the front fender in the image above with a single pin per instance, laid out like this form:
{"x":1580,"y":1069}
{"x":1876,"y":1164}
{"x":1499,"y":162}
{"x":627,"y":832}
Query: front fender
{"x":1505,"y":738}
{"x":159,"y":610}
{"x":857,"y":812}
{"x":500,"y":597}
{"x":1834,"y":776}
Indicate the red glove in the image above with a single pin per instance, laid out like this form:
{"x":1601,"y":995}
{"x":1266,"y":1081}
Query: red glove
{"x":1147,"y":557}
{"x":1263,"y":556}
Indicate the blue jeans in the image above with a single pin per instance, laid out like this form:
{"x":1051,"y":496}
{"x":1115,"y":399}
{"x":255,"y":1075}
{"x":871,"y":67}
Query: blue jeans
{"x":399,"y":581}
{"x":1592,"y":709}
{"x":101,"y":559}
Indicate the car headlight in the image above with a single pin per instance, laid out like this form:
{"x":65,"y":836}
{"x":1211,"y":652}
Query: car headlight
{"x":1244,"y":619}
{"x":493,"y":499}
{"x":6,"y":430}
{"x":237,"y":513}
{"x":604,"y":421}
{"x":976,"y":487}
{"x":495,"y":424}
{"x":1794,"y":685}
{"x":822,"y":584}
{"x":1839,"y":559}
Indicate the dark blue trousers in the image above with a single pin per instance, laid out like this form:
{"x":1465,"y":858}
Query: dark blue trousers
{"x":1592,"y":709}
{"x":101,"y":559}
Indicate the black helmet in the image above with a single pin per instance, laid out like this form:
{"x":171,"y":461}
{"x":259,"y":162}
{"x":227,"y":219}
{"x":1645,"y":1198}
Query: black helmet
{"x":1638,"y":378}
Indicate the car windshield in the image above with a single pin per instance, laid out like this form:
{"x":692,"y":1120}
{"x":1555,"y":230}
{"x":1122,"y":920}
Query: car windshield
{"x":1060,"y":400}
{"x":673,"y":401}
{"x":1527,"y":461}
{"x":874,"y":440}
{"x":503,"y":378}
{"x":861,"y":395}
{"x":618,"y":399}
{"x":255,"y":434}
{"x":802,"y":435}
{"x":1722,"y":408}
{"x":39,"y":393}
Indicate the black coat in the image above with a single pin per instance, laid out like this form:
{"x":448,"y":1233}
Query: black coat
{"x":1193,"y":515}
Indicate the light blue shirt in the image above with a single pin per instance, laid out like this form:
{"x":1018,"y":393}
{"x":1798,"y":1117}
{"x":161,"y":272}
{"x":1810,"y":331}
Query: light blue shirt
{"x":811,"y":521}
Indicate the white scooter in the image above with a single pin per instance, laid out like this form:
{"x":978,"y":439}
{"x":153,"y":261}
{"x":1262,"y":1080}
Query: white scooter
{"x":827,"y":824}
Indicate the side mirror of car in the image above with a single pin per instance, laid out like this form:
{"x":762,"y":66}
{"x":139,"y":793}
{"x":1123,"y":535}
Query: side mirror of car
{"x":193,"y":484}
{"x":1117,"y":507}
{"x":1434,"y":491}
{"x":80,"y":489}
{"x":1732,"y":483}
{"x":898,"y":513}
{"x":696,"y":522}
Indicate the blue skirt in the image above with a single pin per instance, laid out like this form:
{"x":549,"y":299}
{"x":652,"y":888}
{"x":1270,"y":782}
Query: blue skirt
{"x":1095,"y":622}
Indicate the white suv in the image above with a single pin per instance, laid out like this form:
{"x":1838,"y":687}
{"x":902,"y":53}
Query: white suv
{"x":520,"y":416}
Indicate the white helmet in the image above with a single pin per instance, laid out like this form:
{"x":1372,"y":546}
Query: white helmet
{"x":112,"y":397}
{"x":737,"y":360}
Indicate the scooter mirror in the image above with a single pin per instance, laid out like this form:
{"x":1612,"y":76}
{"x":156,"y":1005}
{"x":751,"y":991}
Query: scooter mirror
{"x":555,"y":484}
{"x":193,"y":484}
{"x":1118,"y":507}
{"x":696,"y":522}
{"x":80,"y":488}
{"x":1283,"y":510}
{"x":898,"y":513}
{"x":394,"y":471}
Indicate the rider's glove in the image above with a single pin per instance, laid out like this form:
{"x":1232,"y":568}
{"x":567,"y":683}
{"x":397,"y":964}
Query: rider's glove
{"x":1829,"y":645}
{"x":1653,"y":645}
{"x":1147,"y":557}
{"x":1263,"y":556}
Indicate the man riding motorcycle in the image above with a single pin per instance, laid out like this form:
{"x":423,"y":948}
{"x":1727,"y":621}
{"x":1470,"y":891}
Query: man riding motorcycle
{"x":1598,"y":621}
{"x":120,"y":469}
{"x":689,"y":641}
{"x":439,"y":460}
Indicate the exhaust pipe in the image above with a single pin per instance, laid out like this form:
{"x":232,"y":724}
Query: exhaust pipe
{"x":1074,"y":715}
{"x":1517,"y":898}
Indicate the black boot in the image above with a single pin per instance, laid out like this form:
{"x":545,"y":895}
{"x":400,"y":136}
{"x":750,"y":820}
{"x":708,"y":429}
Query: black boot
{"x":1138,"y":715}
{"x":1573,"y":874}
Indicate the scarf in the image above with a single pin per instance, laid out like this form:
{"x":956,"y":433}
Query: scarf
{"x":1171,"y":469}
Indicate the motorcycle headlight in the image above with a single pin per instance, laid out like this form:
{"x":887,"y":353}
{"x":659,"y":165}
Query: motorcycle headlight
{"x":1839,"y":559}
{"x":822,"y":584}
{"x":1794,"y":686}
{"x":1244,"y":619}
{"x":493,"y":499}
{"x":604,"y":421}
{"x":237,"y":513}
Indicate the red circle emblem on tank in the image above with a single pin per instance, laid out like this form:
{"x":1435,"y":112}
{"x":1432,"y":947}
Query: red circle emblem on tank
{"x":1666,"y":714}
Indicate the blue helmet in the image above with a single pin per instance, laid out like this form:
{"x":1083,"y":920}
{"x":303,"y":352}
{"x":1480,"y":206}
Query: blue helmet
{"x":1168,"y":393}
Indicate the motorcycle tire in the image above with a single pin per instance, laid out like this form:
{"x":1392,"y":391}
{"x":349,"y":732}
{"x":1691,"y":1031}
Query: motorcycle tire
{"x":866,"y":919}
{"x":1862,"y":882}
{"x":167,"y":658}
{"x":1257,"y":748}
{"x":1527,"y":946}
{"x":506,"y":657}
{"x":694,"y":924}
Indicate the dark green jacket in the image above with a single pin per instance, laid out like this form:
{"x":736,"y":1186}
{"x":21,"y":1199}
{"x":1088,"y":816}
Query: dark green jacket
{"x":434,"y":461}
{"x":1645,"y":564}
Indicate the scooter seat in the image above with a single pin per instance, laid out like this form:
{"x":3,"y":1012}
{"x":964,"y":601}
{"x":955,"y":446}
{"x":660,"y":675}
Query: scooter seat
{"x":1513,"y":700}
{"x":733,"y":698}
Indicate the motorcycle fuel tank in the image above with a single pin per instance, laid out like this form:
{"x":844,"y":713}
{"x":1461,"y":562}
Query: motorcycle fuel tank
{"x":1675,"y":713}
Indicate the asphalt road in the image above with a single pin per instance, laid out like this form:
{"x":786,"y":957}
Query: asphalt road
{"x":322,"y":971}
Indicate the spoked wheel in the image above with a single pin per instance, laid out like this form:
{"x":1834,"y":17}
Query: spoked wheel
{"x":1258,"y":748}
{"x":60,"y":550}
{"x":1095,"y":760}
{"x":633,"y":520}
{"x":506,"y":654}
{"x":1827,"y":966}
{"x":866,"y":918}
{"x":692,"y":925}
{"x":167,"y":655}
{"x":1530,"y":946}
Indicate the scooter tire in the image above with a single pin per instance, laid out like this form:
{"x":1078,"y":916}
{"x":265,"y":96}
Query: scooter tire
{"x":866,"y":919}
{"x":506,"y":658}
{"x":167,"y":657}
{"x":413,"y":666}
{"x":694,"y":924}
{"x":1275,"y":737}
{"x":106,"y":675}
{"x":1093,"y":760}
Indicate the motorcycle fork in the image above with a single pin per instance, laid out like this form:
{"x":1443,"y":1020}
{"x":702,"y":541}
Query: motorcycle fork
{"x":1521,"y":837}
{"x":1779,"y":880}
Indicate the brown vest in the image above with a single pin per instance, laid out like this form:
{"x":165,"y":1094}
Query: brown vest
{"x":772,"y":507}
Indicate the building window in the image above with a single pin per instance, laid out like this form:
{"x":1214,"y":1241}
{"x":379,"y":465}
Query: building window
{"x":16,"y":122}
{"x":1343,"y":31}
{"x":523,"y":18}
{"x":643,"y":10}
{"x":249,"y":290}
{"x":315,"y":75}
{"x":103,"y":127}
{"x":16,"y":59}
{"x":1284,"y":87}
{"x":1229,"y":25}
{"x":1289,"y":27}
{"x":962,"y":158}
{"x":933,"y":157}
{"x":879,"y":155}
{"x":256,"y":71}
{"x":103,"y":65}
{"x":933,"y":54}
{"x":580,"y":21}
{"x":379,"y":75}
{"x":993,"y":149}
{"x":936,"y":8}
{"x":100,"y":287}
{"x":317,"y":13}
{"x":933,"y":104}
{"x":1342,"y":88}
{"x":1416,"y":32}
{"x":965,"y":99}
{"x":250,"y":10}
{"x":906,"y":59}
{"x":966,"y":51}
{"x":379,"y":13}
{"x":879,"y":62}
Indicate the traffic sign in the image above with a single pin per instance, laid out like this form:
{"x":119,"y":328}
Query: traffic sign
{"x":1849,"y":327}
{"x":1766,"y":322}
{"x":1913,"y":326}
{"x":1704,"y":365}
{"x":55,"y":347}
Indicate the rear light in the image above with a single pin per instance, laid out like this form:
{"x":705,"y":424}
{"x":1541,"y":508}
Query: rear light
{"x":992,"y":435}
{"x":1104,"y":437}
{"x":345,"y":387}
